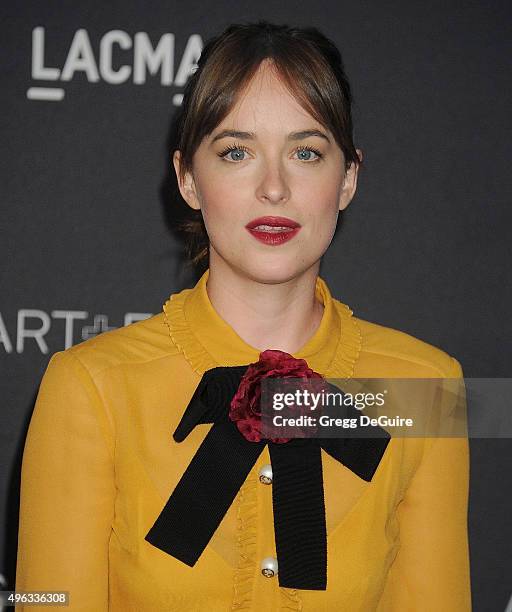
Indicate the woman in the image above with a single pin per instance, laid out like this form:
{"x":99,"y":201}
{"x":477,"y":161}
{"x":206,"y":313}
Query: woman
{"x":266,"y":160}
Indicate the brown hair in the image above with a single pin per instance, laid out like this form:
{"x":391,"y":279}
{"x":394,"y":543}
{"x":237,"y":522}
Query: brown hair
{"x":310,"y":66}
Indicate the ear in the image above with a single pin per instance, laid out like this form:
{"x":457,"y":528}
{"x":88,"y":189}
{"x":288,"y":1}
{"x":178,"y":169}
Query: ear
{"x":349,"y":186}
{"x":187,"y":187}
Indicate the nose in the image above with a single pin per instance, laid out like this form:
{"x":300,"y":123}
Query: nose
{"x":273,"y":188}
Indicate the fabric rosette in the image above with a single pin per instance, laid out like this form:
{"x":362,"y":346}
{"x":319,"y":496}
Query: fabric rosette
{"x":246,"y":405}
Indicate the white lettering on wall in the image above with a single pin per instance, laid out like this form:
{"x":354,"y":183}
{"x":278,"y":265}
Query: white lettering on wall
{"x":136,"y":57}
{"x":4,"y":336}
{"x":34,"y":325}
{"x":80,"y":58}
{"x":38,"y":334}
{"x":146,"y":57}
{"x":39,"y":71}
{"x":69,"y":317}
{"x":107,"y":72}
{"x":189,"y":59}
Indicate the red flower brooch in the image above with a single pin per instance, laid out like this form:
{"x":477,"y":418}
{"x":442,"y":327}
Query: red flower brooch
{"x":245,"y":408}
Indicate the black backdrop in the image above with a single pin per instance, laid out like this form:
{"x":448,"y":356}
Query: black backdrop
{"x":424,"y":247}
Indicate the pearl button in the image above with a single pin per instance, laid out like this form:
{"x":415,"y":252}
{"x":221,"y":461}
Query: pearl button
{"x":269,"y":567}
{"x":266,"y":474}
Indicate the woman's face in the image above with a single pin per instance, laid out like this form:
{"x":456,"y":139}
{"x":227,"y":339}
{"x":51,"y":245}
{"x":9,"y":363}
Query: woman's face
{"x":269,"y":172}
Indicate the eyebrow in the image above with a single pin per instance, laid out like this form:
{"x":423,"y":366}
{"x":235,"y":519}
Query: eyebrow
{"x":252,"y":136}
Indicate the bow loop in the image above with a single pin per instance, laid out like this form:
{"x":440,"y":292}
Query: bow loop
{"x":222,"y":385}
{"x":210,"y":401}
{"x":195,"y":411}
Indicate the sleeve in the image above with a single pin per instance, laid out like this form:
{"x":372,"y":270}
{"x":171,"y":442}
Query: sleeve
{"x":67,"y":490}
{"x":432,"y":568}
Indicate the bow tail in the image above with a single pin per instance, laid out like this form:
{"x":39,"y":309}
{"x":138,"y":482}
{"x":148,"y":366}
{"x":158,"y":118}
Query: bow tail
{"x":299,"y":514}
{"x":204,"y":494}
{"x":361,"y":450}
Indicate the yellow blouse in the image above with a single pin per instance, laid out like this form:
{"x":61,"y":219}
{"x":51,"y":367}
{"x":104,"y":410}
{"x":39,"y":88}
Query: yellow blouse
{"x":100,"y":463}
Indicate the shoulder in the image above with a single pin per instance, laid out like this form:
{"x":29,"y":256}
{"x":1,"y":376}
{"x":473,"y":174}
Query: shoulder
{"x":139,"y":342}
{"x":402,"y":353}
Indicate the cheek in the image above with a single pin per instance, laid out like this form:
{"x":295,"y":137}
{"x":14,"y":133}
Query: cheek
{"x":322,"y":220}
{"x":221,"y":214}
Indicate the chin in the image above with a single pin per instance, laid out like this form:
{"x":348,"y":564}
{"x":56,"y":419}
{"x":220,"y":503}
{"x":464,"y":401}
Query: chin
{"x":275,"y":270}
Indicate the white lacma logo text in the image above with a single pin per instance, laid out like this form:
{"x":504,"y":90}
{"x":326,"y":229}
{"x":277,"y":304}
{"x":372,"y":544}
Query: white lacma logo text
{"x":137,"y":56}
{"x":33,"y":325}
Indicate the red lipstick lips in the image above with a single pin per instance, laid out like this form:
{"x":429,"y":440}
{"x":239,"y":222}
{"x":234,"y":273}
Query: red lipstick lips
{"x":273,"y":230}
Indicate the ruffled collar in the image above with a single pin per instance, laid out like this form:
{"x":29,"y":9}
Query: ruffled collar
{"x":207,"y":341}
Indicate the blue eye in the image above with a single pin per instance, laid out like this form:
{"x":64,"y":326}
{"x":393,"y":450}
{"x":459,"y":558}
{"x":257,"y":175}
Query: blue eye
{"x":307,"y":149}
{"x":240,"y":149}
{"x":233,"y":148}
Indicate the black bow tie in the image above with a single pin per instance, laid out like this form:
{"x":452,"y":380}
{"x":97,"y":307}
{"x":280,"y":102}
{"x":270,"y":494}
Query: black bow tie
{"x":221,"y":464}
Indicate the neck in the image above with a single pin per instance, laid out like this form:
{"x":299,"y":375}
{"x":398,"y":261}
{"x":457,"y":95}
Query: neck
{"x":281,"y":315}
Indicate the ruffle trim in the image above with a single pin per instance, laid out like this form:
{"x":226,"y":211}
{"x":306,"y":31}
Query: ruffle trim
{"x":349,"y":347}
{"x":182,"y":335}
{"x":342,"y":365}
{"x":246,"y":571}
{"x":290,"y":599}
{"x":247,"y":515}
